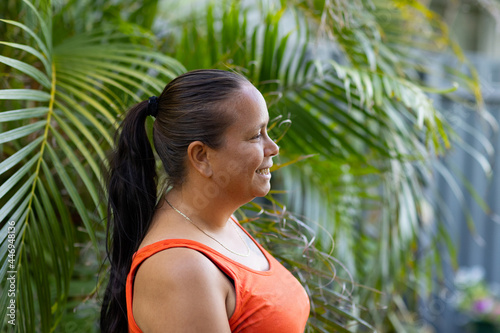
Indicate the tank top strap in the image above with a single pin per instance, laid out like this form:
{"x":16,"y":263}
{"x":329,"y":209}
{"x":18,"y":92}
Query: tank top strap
{"x":147,"y":251}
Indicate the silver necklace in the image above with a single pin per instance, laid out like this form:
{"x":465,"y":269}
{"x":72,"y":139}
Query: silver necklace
{"x":212,"y":237}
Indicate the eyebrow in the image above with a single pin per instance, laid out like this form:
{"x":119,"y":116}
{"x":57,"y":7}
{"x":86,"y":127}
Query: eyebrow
{"x":264,"y":124}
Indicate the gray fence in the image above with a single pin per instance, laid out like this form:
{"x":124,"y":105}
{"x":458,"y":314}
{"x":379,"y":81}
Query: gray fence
{"x":479,"y":247}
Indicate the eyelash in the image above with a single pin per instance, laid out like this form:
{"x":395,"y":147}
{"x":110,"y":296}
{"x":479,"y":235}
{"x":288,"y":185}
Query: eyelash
{"x":257,"y":136}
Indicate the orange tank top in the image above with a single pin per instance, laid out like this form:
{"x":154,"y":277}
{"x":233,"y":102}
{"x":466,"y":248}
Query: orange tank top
{"x":271,"y":301}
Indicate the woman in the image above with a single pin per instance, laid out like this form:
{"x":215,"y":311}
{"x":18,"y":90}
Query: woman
{"x":183,"y":263}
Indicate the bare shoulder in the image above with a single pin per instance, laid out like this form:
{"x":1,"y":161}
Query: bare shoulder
{"x":180,"y":290}
{"x":168,"y":264}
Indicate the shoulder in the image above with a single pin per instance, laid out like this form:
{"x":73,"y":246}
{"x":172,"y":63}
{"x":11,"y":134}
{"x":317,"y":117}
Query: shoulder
{"x":175,"y":285}
{"x":176,"y":267}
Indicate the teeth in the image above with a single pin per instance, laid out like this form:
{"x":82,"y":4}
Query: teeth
{"x":263,"y":171}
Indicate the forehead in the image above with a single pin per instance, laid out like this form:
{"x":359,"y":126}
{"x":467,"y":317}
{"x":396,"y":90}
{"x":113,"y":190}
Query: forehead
{"x":249,"y":107}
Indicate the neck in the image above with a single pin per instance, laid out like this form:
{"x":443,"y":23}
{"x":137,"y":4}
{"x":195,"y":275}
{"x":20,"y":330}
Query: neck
{"x":211,"y":213}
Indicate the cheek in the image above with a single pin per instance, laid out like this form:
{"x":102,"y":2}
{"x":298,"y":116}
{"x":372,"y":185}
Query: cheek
{"x":234,"y":168}
{"x":231,"y":172}
{"x":241,"y":162}
{"x":223,"y":179}
{"x":248,"y":157}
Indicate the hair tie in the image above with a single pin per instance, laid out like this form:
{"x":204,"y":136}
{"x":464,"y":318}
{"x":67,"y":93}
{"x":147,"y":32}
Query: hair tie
{"x":153,"y":106}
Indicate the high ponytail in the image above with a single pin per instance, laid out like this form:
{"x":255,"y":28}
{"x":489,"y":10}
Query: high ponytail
{"x":192,"y":107}
{"x":132,"y":186}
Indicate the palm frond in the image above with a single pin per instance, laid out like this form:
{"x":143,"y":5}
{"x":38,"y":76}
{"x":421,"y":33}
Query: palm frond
{"x":54,"y":136}
{"x":367,"y":114}
{"x":328,"y":283}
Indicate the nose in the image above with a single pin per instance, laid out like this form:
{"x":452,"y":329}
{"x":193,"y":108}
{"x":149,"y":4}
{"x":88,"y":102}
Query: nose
{"x":272,"y":148}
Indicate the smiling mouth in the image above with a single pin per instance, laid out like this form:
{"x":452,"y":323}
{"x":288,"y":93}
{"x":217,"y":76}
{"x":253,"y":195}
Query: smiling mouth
{"x":263,"y":171}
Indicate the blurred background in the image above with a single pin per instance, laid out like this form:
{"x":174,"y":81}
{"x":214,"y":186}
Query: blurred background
{"x":385,"y":200}
{"x":477,"y":31}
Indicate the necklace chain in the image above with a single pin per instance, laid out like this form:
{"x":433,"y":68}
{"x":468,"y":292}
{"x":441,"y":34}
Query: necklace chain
{"x":212,"y":237}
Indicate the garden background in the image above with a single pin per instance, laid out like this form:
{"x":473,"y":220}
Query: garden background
{"x":384,"y":186}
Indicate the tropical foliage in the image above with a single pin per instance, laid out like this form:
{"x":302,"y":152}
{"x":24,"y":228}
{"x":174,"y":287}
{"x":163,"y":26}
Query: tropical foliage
{"x":343,"y":79}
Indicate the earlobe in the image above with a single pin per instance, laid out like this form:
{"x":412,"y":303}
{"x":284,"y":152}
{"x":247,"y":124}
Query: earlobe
{"x":197,"y":153}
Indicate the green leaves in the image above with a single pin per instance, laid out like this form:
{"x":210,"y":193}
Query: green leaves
{"x":327,"y":282}
{"x":54,"y":138}
{"x":366,"y":117}
{"x":28,"y":70}
{"x":24,"y":94}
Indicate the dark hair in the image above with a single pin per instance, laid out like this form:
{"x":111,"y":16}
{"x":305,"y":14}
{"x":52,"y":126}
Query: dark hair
{"x":190,"y":108}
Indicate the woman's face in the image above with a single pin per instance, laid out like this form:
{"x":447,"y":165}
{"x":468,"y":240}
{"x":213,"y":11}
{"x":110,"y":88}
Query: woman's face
{"x":241,"y":165}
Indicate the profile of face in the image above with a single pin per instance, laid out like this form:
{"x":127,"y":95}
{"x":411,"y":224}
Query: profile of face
{"x":241,"y":165}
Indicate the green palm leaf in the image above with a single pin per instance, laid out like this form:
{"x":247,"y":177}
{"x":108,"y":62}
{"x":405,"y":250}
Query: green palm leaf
{"x":367,"y":114}
{"x":366,"y":117}
{"x":54,"y":137}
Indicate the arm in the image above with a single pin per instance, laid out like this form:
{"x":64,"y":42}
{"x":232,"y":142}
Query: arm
{"x":180,"y":290}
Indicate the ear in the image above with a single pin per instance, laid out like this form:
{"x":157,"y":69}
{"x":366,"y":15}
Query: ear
{"x":197,"y":154}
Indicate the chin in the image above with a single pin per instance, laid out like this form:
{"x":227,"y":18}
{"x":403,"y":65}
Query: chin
{"x":262,"y":192}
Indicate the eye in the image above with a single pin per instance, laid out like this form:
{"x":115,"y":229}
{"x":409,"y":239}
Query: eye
{"x":257,"y":136}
